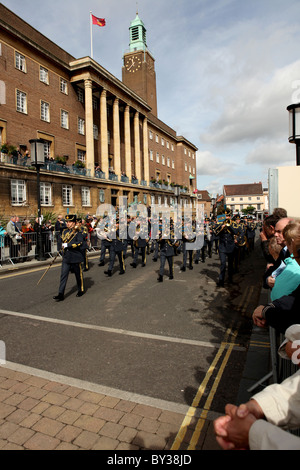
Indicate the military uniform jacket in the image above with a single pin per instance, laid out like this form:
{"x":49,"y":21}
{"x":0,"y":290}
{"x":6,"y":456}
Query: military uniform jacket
{"x":226,"y":237}
{"x":74,"y":239}
{"x":117,"y":244}
{"x":166,"y":247}
{"x":84,"y":231}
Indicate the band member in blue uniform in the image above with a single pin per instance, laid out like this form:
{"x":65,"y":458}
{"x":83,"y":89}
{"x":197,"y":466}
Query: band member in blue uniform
{"x":72,"y":241}
{"x":84,"y":247}
{"x":167,"y":253}
{"x":226,"y":231}
{"x":117,"y":249}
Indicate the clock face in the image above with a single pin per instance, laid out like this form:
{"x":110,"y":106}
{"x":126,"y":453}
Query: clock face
{"x":133,"y":63}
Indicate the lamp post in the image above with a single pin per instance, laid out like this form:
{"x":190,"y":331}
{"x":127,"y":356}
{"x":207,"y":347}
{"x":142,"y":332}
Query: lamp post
{"x":294,"y":128}
{"x":213,"y":201}
{"x":38,"y":160}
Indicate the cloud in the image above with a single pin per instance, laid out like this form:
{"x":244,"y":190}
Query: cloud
{"x":272,"y":154}
{"x":208,"y":164}
{"x":256,"y":110}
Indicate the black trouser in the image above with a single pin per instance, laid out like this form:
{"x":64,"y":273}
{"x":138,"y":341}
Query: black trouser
{"x":230,"y":258}
{"x":136,"y":254}
{"x":112,"y":256}
{"x":163,"y":259}
{"x":76,"y":268}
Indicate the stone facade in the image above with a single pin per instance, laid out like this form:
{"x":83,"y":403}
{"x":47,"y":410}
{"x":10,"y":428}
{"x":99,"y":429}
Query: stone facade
{"x":82,"y":112}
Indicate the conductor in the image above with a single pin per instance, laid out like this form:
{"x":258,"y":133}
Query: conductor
{"x":72,"y":240}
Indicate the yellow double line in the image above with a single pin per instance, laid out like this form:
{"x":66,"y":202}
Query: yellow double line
{"x":192,"y":410}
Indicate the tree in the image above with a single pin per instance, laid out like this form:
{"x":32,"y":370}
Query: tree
{"x":248,"y":210}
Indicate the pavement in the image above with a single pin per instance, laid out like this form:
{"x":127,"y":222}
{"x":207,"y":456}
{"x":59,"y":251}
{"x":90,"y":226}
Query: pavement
{"x":45,"y":411}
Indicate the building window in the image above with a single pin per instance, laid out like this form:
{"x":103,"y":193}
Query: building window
{"x":81,"y":155}
{"x":20,"y":62}
{"x":173,"y":164}
{"x":67,"y":195}
{"x":151,"y":154}
{"x":101,"y":195}
{"x":85,"y":196}
{"x":258,"y":198}
{"x":44,"y":75}
{"x":168,"y":162}
{"x":64,"y":119}
{"x":46,"y":194}
{"x":95,"y":103}
{"x":80,"y":126}
{"x":47,"y":146}
{"x":232,"y":199}
{"x":157,"y":139}
{"x":249,"y":198}
{"x":241,"y":198}
{"x":157,"y":157}
{"x":185,"y":166}
{"x":163,"y":159}
{"x":95,"y":132}
{"x":168,"y":145}
{"x":150,"y":135}
{"x":21,"y":102}
{"x":45,"y":111}
{"x":80,"y":95}
{"x":63,"y":86}
{"x":18,"y":192}
{"x":162,"y":141}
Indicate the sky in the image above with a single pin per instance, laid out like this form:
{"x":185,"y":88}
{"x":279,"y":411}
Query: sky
{"x":226,"y":70}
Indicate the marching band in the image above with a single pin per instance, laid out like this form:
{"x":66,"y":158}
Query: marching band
{"x":231,"y":238}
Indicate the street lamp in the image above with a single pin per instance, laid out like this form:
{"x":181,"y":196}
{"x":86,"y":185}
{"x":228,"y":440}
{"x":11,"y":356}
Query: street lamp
{"x":213,"y":201}
{"x":38,"y":160}
{"x":294,"y":128}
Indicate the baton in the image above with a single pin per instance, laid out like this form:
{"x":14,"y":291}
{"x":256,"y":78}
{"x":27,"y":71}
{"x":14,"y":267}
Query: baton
{"x":52,"y":262}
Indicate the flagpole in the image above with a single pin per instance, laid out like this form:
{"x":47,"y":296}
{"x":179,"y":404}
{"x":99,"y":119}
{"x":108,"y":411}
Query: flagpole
{"x":91,"y":30}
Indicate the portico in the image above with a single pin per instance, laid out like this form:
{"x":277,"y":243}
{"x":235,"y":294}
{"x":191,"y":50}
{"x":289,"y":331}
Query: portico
{"x":122,"y":121}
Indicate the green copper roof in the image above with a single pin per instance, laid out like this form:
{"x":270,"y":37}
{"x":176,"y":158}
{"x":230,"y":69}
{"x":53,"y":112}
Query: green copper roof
{"x":137,"y":32}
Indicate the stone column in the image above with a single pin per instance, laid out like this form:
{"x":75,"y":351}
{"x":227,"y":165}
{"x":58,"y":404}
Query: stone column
{"x":103,"y":133}
{"x":127,"y":142}
{"x":117,"y":145}
{"x":146,"y":150}
{"x":137,"y":150}
{"x":89,"y":131}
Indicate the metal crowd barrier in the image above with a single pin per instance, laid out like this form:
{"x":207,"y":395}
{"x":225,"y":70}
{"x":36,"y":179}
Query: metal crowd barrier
{"x":25,"y":247}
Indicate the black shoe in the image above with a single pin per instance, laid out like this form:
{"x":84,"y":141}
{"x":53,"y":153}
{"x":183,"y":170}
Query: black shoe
{"x":155,"y":259}
{"x":101,"y":263}
{"x":160,"y":278}
{"x":133,"y":265}
{"x":143,"y":265}
{"x":191,"y":267}
{"x":108,"y":273}
{"x":86,"y":269}
{"x":196,"y":261}
{"x":80,"y":294}
{"x":182,"y":269}
{"x":122,"y":272}
{"x":220,"y":284}
{"x":171,"y":277}
{"x":59,"y":297}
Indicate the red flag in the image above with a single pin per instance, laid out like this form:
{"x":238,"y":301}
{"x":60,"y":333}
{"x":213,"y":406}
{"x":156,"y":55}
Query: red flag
{"x":98,"y":21}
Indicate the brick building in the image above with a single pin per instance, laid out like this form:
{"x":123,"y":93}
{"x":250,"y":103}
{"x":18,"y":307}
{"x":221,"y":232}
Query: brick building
{"x":240,"y":196}
{"x":102,"y":136}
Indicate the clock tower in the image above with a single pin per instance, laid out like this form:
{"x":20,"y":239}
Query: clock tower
{"x":138,"y":72}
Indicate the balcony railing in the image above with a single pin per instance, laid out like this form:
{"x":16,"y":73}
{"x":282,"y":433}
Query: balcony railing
{"x":73,"y":170}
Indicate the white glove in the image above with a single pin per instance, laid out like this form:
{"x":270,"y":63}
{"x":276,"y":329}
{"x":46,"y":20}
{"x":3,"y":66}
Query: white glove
{"x":64,"y":245}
